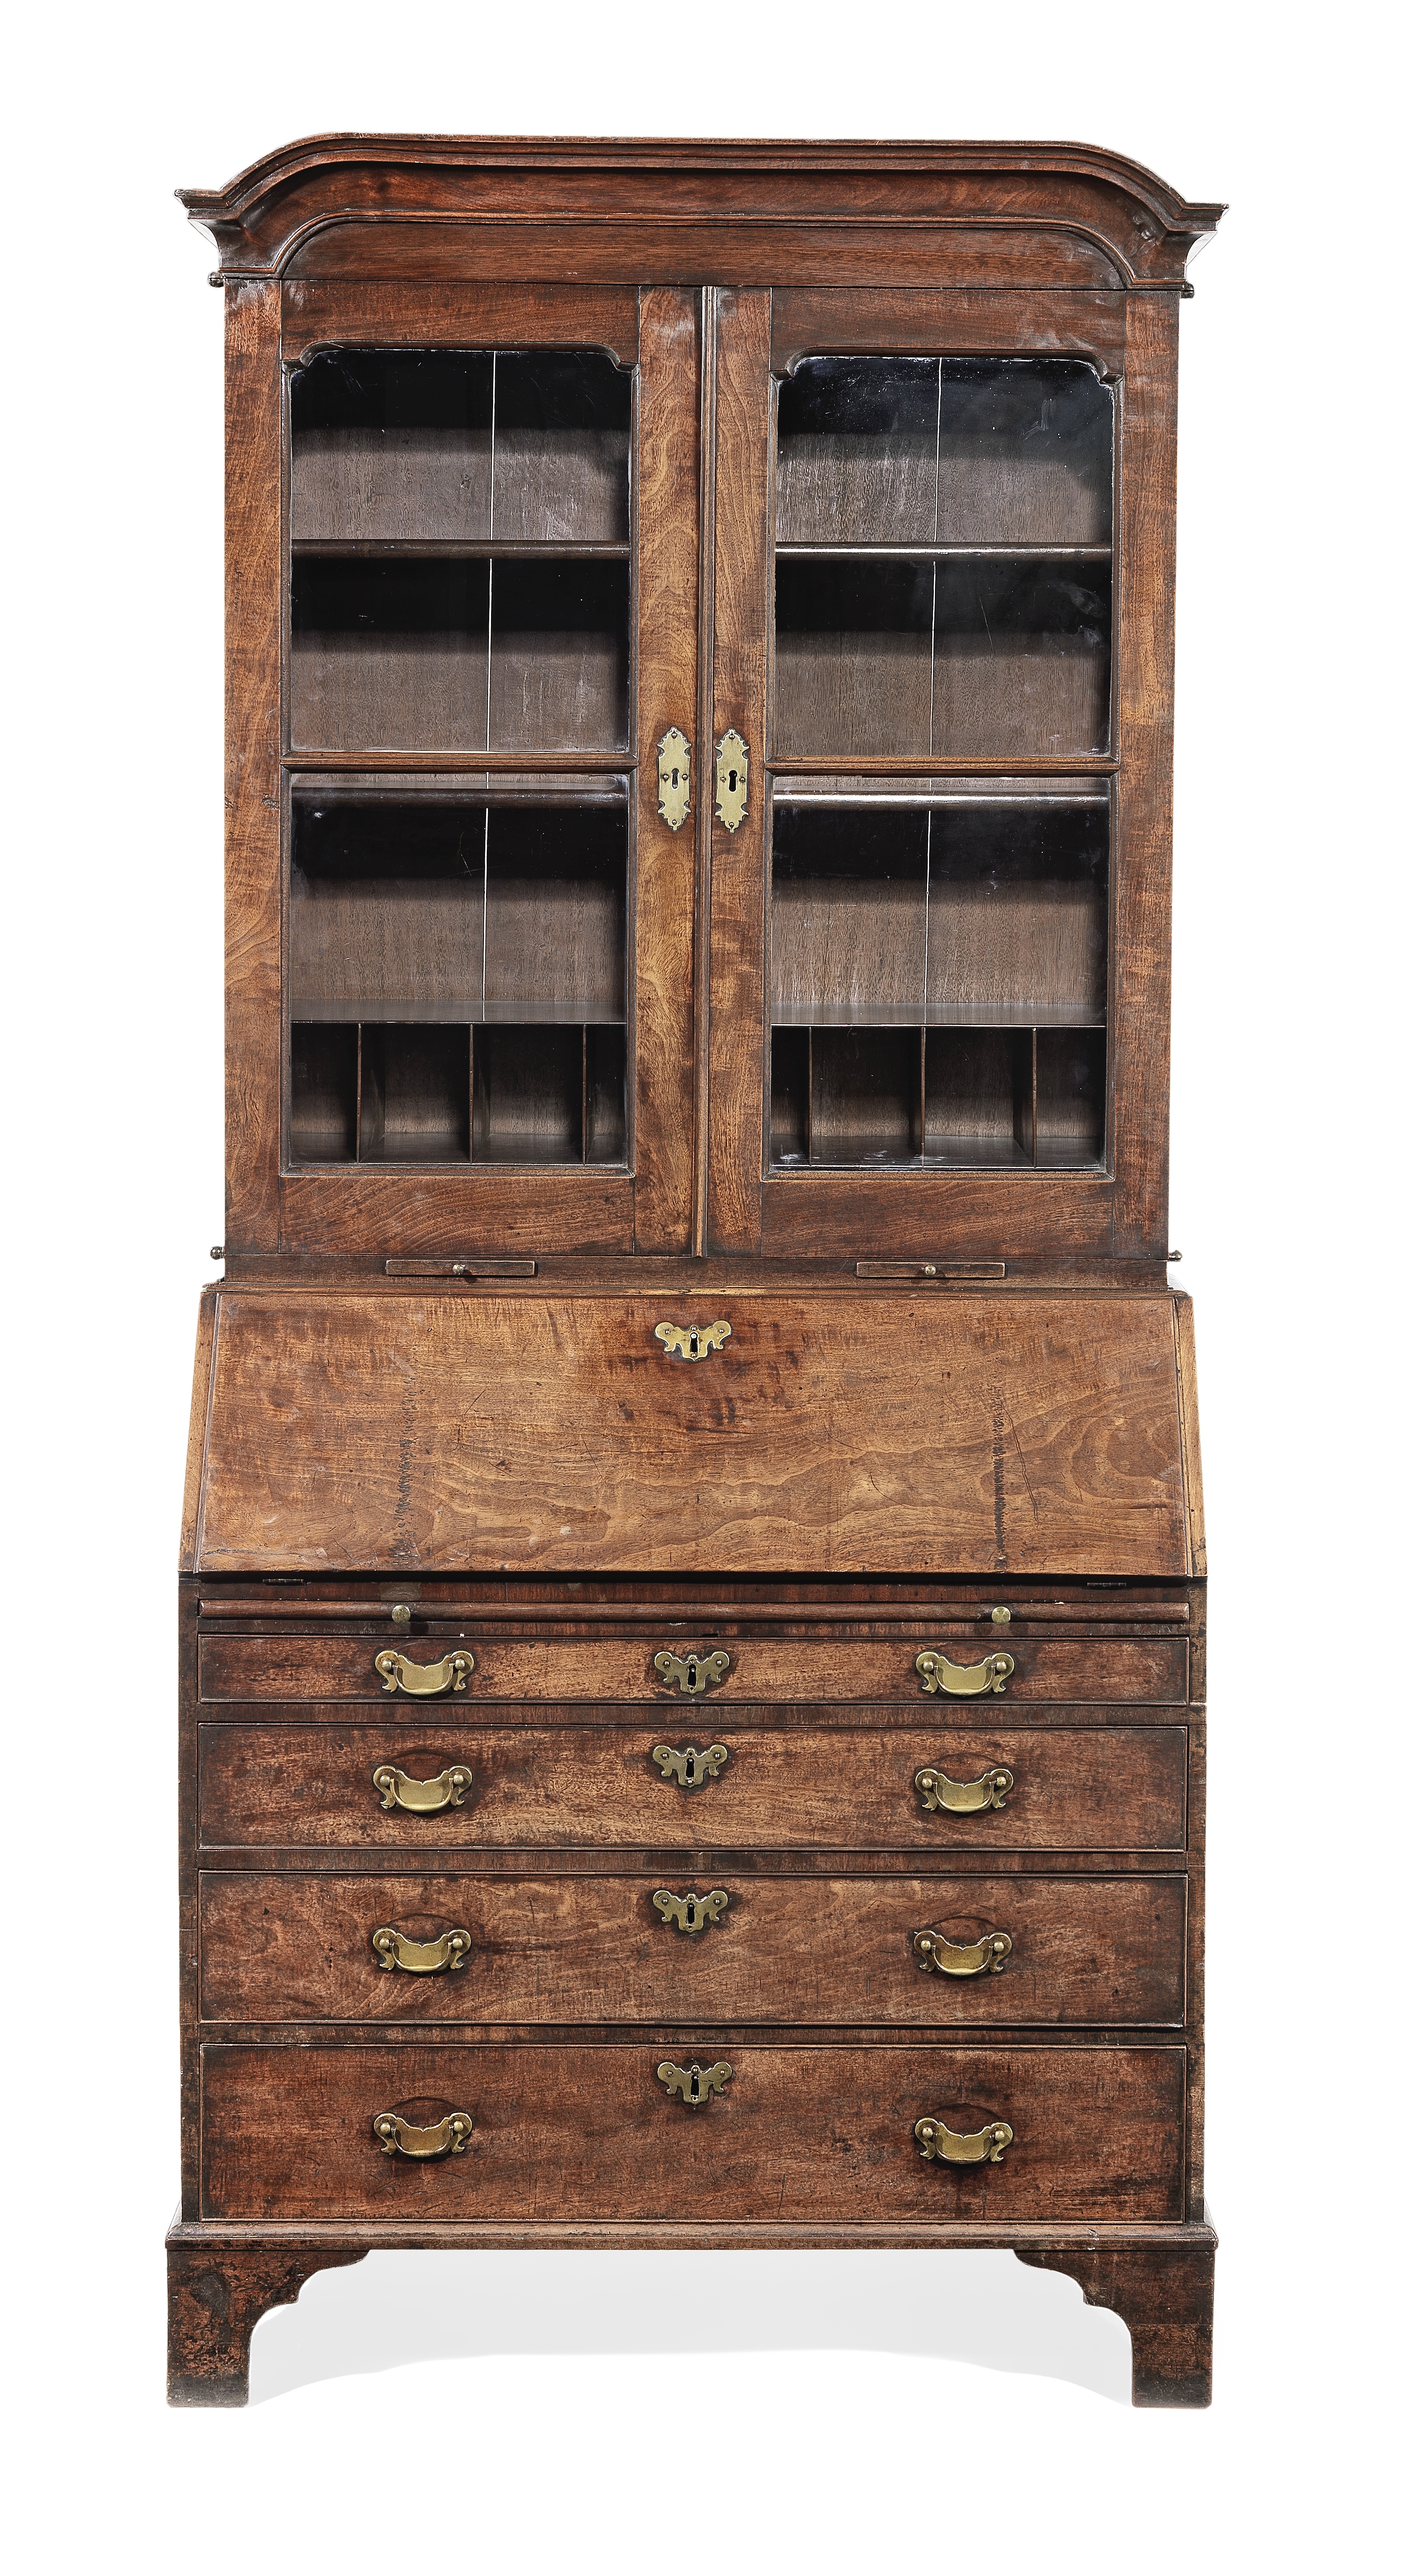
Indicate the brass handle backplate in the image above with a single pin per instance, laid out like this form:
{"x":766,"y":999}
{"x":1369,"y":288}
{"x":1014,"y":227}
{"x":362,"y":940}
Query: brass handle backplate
{"x":448,"y":2137}
{"x":422,"y":1797}
{"x":731,"y":780}
{"x":689,"y":1768}
{"x":943,"y":2145}
{"x":964,"y":1681}
{"x":693,"y":1341}
{"x":689,"y":1913}
{"x":424,"y":1681}
{"x":963,"y":1797}
{"x":961,"y":1958}
{"x":673,"y":777}
{"x":396,"y":1950}
{"x":694,"y":2083}
{"x":691,"y":1674}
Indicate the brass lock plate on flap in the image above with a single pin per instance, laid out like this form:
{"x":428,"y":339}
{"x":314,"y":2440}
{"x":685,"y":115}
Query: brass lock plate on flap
{"x":693,"y":1341}
{"x":673,"y":776}
{"x":731,"y":780}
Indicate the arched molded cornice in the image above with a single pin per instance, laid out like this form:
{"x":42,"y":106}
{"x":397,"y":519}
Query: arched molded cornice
{"x":1132,"y":229}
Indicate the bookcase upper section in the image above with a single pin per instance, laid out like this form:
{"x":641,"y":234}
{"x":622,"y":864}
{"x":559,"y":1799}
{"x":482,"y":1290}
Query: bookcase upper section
{"x":700,"y":701}
{"x":994,"y":214}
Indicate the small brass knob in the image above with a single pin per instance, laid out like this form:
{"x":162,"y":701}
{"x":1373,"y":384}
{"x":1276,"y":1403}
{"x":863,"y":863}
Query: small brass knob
{"x":401,"y":1614}
{"x":1001,"y":1618}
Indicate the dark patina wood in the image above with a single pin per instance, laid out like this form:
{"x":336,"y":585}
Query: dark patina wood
{"x":868,"y":1466}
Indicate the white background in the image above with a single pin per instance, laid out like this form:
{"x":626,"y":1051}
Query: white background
{"x":742,"y":2412}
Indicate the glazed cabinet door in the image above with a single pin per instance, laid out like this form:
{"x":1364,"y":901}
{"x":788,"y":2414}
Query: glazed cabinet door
{"x":471,"y":622}
{"x":933,"y":992}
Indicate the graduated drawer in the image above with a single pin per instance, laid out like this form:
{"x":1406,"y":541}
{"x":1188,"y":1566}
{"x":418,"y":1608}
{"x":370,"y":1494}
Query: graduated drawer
{"x":297,"y":1947}
{"x":796,"y":2134}
{"x":1102,"y":1788}
{"x":565,"y":1671}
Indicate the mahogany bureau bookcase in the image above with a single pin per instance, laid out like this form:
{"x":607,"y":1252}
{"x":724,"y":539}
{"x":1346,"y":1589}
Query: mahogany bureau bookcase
{"x":692,"y":1597}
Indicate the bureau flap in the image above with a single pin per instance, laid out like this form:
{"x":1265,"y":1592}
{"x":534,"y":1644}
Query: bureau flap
{"x":1000,"y":1433}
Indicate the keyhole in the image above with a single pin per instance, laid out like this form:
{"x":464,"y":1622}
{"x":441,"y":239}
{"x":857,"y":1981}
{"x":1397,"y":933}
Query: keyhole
{"x":674,"y":778}
{"x":694,"y":1346}
{"x":733,"y":782}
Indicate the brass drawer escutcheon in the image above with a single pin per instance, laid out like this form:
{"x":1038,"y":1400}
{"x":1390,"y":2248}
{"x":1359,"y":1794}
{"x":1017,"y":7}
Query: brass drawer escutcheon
{"x":943,"y":2145}
{"x":694,"y":2083}
{"x":961,"y":1958}
{"x":424,"y":1681}
{"x":693,"y":1341}
{"x":422,"y":1797}
{"x":964,"y":1681}
{"x":963,"y":1797}
{"x":690,"y":1913}
{"x":691,"y":1674}
{"x":396,"y":1950}
{"x":731,"y":780}
{"x":448,"y":2137}
{"x":672,"y":777}
{"x":689,"y":1768}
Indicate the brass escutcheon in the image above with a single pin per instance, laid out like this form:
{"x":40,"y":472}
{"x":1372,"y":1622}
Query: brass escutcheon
{"x":689,"y":1768}
{"x":694,"y":2083}
{"x":961,"y":1958}
{"x":692,"y":1341}
{"x":731,"y":780}
{"x":964,"y":1681}
{"x":448,"y":2137}
{"x":691,"y":1674}
{"x":689,"y":1913}
{"x":672,"y":777}
{"x":963,"y":1797}
{"x":943,"y":2145}
{"x":396,"y":1950}
{"x":424,"y":1681}
{"x":422,"y":1797}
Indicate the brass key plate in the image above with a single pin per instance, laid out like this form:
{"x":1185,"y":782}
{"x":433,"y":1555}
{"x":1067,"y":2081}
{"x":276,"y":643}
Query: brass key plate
{"x":673,"y":777}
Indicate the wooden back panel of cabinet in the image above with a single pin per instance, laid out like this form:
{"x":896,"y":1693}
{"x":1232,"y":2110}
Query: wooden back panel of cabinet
{"x":472,"y":1432}
{"x":1041,"y":255}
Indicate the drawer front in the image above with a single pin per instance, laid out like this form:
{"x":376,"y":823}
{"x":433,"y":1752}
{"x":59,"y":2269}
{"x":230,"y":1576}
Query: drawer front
{"x":1108,"y":1788}
{"x":295,"y":1947}
{"x":821,"y":2135}
{"x":565,"y":1671}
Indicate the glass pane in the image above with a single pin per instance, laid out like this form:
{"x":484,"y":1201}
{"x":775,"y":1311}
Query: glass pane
{"x":562,"y":443}
{"x":1026,"y":453}
{"x":857,"y":452}
{"x":458,"y":973}
{"x":1017,"y":914}
{"x":389,"y":655}
{"x":938,"y":968}
{"x":392,"y":443}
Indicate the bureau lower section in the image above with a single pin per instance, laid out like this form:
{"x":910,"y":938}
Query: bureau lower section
{"x":690,"y":2129}
{"x":692,"y":1915}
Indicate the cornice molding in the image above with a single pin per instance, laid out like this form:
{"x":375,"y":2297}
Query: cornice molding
{"x":258,"y":222}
